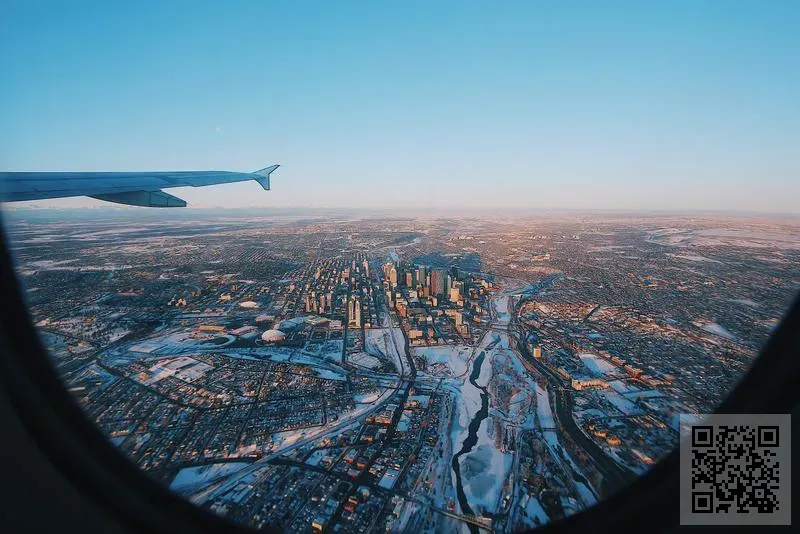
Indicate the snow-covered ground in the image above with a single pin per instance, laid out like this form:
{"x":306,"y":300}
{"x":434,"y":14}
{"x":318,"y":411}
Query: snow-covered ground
{"x":330,"y":350}
{"x":534,"y":511}
{"x":385,"y":344}
{"x":191,"y":479}
{"x":181,"y":342}
{"x":327,"y":370}
{"x":623,"y":387}
{"x":753,"y":237}
{"x":445,"y":359}
{"x":648,"y":393}
{"x":501,"y":305}
{"x":183,"y":368}
{"x":543,"y":410}
{"x":692,"y":257}
{"x":362,"y":359}
{"x":621,"y":403}
{"x":368,"y":398}
{"x":718,"y":330}
{"x":468,"y":402}
{"x":327,"y":374}
{"x":545,"y":415}
{"x":484,"y":471}
{"x":598,"y":366}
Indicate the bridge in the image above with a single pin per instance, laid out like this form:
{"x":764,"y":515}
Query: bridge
{"x":483,"y":523}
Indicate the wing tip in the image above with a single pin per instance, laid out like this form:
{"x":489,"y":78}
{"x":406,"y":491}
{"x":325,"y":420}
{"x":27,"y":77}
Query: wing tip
{"x":262,"y":176}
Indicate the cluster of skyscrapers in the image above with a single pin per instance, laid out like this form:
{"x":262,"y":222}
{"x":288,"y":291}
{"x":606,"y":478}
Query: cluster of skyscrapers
{"x":425,"y":282}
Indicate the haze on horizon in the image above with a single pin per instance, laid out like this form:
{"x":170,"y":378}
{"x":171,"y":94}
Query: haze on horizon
{"x":682,"y":106}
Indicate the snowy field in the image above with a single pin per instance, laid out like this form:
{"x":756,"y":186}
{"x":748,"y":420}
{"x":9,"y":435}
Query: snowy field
{"x":191,"y":479}
{"x":362,"y":359}
{"x":179,"y":342}
{"x":623,"y":387}
{"x":598,"y":366}
{"x":327,"y":374}
{"x":693,"y":257}
{"x":753,"y":237}
{"x":328,"y":350}
{"x":621,"y":403}
{"x":718,"y":330}
{"x":385,"y":344}
{"x":274,"y":354}
{"x":183,"y":368}
{"x":516,"y":373}
{"x":326,"y":370}
{"x":448,"y":360}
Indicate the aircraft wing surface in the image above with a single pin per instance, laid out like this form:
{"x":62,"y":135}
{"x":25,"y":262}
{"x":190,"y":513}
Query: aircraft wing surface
{"x":132,"y":188}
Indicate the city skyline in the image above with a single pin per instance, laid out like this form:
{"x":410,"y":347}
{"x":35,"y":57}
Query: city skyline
{"x":689,"y":106}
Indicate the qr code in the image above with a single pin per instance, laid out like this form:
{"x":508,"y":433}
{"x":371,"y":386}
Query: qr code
{"x":735,"y":469}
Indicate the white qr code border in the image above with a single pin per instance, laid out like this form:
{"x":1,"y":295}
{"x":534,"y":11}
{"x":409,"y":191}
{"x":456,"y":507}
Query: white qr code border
{"x":735,"y":469}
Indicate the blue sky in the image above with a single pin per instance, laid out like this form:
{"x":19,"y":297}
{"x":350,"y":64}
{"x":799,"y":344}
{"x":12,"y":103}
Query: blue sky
{"x":684,"y":105}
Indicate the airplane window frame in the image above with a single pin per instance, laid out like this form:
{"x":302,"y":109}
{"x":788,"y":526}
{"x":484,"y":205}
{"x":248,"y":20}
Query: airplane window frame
{"x":100,"y":471}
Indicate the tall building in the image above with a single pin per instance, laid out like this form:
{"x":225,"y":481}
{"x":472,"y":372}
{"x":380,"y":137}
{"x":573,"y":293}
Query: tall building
{"x":409,"y":279}
{"x":393,"y":276}
{"x":537,"y":352}
{"x":421,"y":275}
{"x":357,"y":314}
{"x":351,"y":309}
{"x":437,"y":282}
{"x":455,"y":294}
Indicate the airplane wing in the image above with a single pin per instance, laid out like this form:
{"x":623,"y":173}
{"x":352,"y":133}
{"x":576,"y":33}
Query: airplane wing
{"x":131,"y":188}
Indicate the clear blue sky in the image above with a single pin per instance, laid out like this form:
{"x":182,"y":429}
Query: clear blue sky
{"x":672,"y":104}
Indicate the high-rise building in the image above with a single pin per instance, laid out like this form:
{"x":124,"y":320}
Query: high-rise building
{"x":537,"y":352}
{"x":455,"y":294}
{"x":409,"y":279}
{"x":437,"y":282}
{"x":357,"y":314}
{"x":393,"y":276}
{"x":421,"y":275}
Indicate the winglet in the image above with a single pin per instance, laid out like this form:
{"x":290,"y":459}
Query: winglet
{"x":263,"y":176}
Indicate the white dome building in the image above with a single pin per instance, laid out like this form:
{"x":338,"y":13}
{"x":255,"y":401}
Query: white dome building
{"x":248,"y":304}
{"x":273,"y":336}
